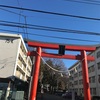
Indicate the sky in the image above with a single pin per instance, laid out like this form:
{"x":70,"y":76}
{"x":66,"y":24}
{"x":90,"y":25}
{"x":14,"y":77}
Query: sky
{"x":87,"y":9}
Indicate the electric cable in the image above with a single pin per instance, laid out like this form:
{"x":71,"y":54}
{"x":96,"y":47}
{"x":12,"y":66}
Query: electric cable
{"x":51,"y":13}
{"x":56,"y":37}
{"x":47,"y":28}
{"x":36,"y":27}
{"x":19,"y":13}
{"x":92,"y":1}
{"x":11,"y":12}
{"x":52,"y":28}
{"x":16,"y":14}
{"x":20,"y":17}
{"x":26,"y":26}
{"x":84,"y":2}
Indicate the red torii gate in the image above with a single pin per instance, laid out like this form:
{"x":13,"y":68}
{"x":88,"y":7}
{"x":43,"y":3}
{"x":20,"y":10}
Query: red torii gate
{"x":84,"y":57}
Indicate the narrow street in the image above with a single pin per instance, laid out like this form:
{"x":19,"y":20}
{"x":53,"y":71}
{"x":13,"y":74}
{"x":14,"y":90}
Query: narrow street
{"x":50,"y":97}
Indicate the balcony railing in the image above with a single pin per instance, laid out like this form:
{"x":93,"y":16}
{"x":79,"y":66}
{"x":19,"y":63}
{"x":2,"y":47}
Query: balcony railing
{"x":23,"y":55}
{"x":18,"y":74}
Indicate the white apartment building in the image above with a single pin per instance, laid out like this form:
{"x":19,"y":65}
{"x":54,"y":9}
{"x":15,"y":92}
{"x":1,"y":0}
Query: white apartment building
{"x":13,"y":57}
{"x":76,"y":79}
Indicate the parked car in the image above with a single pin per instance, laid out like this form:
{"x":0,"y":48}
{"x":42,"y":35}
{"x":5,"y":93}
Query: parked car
{"x":67,"y":95}
{"x":59,"y":93}
{"x":64,"y":94}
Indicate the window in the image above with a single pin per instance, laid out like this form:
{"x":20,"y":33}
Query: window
{"x":22,"y":61}
{"x":71,"y":78}
{"x":75,"y":82}
{"x":80,"y":73}
{"x":99,"y":78}
{"x":91,"y":69}
{"x":20,"y":71}
{"x":76,"y":68}
{"x":23,"y":48}
{"x":79,"y":90}
{"x":75,"y":75}
{"x":98,"y":64}
{"x":72,"y":72}
{"x":70,"y":84}
{"x":79,"y":66}
{"x":98,"y":54}
{"x":90,"y":79}
{"x":94,"y":91}
{"x":81,"y":81}
{"x":91,"y":90}
{"x":93,"y":79}
{"x":82,"y":90}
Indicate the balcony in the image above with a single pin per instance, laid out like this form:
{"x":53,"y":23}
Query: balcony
{"x":24,"y":68}
{"x":19,"y":63}
{"x":23,"y":55}
{"x":28,"y":73}
{"x":17,"y":74}
{"x":22,"y":76}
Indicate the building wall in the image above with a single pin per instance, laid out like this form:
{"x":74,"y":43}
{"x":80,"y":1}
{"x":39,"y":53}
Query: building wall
{"x":76,"y":78}
{"x":8,"y":53}
{"x":13,"y":57}
{"x":23,"y":65}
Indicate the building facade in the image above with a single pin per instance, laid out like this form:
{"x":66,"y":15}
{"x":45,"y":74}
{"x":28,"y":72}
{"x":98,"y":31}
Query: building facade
{"x":76,"y":78}
{"x":13,"y":57}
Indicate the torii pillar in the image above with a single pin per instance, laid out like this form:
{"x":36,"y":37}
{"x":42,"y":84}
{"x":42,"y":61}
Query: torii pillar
{"x":87,"y":95}
{"x":35,"y":74}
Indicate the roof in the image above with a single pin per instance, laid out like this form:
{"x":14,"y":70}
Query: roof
{"x":26,"y":40}
{"x":10,"y":35}
{"x":13,"y":36}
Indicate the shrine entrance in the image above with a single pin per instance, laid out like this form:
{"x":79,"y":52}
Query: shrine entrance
{"x":83,"y":57}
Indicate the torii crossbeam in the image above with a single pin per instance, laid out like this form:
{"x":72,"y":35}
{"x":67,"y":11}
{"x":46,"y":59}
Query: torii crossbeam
{"x":83,"y":57}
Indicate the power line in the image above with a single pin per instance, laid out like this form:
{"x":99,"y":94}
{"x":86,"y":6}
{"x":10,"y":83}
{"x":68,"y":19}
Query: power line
{"x":46,"y":28}
{"x":39,"y":27}
{"x":64,"y":38}
{"x":92,"y":1}
{"x":51,"y":13}
{"x":12,"y":12}
{"x":20,"y":17}
{"x":16,"y":14}
{"x":26,"y":26}
{"x":51,"y":36}
{"x":77,"y":1}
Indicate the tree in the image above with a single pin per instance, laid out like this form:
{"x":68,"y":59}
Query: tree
{"x":51,"y":77}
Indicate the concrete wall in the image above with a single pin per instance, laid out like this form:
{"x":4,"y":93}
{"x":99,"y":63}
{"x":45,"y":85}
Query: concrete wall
{"x":8,"y":54}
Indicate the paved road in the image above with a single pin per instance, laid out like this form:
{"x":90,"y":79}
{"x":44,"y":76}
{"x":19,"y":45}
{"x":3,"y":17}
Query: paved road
{"x":49,"y":97}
